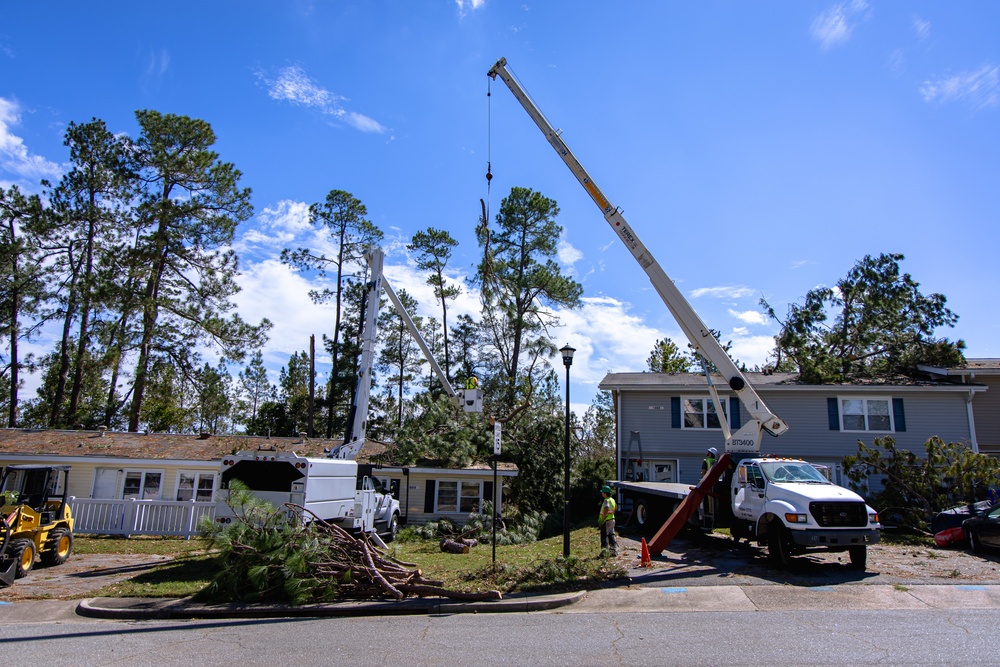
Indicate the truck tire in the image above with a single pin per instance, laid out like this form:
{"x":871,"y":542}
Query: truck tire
{"x":643,"y":515}
{"x":58,"y":547}
{"x":778,"y":545}
{"x":859,"y":557}
{"x":392,"y":527}
{"x":23,"y":553}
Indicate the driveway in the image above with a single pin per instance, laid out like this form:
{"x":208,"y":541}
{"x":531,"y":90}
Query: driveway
{"x":79,"y":576}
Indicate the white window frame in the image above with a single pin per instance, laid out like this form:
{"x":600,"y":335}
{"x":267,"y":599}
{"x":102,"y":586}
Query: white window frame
{"x":459,"y":484}
{"x":142,"y":483}
{"x":198,"y":475}
{"x":708,"y":408}
{"x":866,"y":414}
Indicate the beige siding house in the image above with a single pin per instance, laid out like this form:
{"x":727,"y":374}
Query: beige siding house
{"x":135,"y":483}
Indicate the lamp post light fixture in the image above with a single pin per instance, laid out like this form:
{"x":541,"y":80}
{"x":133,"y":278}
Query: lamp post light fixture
{"x":567,"y":356}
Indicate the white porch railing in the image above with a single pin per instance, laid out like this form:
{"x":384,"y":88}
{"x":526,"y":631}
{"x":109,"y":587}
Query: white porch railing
{"x":139,"y":517}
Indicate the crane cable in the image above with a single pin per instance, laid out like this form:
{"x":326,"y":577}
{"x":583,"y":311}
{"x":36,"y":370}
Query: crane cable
{"x":487,"y":266}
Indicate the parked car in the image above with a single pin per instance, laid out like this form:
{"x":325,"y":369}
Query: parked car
{"x":984,"y":530}
{"x":956,"y":516}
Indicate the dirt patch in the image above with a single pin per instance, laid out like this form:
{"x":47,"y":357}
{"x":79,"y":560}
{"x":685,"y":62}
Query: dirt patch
{"x":79,"y":576}
{"x":715,"y":559}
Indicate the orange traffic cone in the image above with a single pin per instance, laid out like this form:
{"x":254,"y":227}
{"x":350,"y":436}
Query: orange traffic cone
{"x":644,"y":560}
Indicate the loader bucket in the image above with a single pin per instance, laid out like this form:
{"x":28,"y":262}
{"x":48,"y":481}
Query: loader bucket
{"x":8,"y":571}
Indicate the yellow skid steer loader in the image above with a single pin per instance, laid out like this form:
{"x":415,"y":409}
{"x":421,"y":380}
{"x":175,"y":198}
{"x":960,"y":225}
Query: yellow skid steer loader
{"x":35,"y":519}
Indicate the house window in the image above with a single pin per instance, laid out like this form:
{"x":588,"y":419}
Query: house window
{"x":199,"y":486}
{"x":700,"y":413}
{"x":865,"y":414}
{"x":142,"y":485}
{"x":455,"y":497}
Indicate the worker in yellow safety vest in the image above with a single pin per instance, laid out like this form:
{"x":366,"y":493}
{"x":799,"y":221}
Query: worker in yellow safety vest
{"x":472,"y":383}
{"x":606,"y":521}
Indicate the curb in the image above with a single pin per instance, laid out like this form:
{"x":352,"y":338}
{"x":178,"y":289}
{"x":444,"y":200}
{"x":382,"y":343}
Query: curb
{"x":170,"y":608}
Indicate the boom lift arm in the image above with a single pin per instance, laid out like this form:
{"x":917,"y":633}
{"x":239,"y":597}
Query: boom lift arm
{"x":470,"y":400}
{"x":747,"y":439}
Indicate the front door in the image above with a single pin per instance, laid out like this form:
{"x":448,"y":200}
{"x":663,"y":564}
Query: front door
{"x":106,"y":483}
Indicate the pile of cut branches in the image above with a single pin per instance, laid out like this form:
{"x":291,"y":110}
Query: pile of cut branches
{"x":265,"y":558}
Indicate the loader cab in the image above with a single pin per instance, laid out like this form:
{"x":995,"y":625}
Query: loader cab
{"x":40,"y":487}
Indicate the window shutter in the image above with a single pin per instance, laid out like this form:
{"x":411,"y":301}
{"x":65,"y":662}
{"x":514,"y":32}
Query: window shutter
{"x":734,"y":413}
{"x":488,"y":493}
{"x":898,"y":415}
{"x":675,"y":412}
{"x":429,"y":492}
{"x":834,"y":411}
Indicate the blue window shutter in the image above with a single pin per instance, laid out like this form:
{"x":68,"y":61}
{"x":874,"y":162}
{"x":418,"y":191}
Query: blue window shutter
{"x":734,"y":413}
{"x":429,"y":494}
{"x":898,"y":415}
{"x":675,"y":412}
{"x":834,"y":410}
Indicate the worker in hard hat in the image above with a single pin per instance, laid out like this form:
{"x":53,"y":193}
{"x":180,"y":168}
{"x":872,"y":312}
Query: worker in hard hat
{"x":710,"y":456}
{"x":606,"y":521}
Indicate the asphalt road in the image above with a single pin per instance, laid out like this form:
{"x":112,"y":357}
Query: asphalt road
{"x":611,"y":637}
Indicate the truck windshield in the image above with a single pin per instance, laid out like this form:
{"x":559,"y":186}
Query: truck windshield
{"x":789,"y":471}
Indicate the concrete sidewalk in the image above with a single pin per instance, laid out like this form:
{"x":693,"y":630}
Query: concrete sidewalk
{"x":628,"y":599}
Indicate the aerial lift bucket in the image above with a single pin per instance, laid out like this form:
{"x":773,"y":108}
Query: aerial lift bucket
{"x":8,"y":571}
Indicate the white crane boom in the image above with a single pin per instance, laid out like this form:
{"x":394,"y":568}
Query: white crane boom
{"x":470,"y":400}
{"x":747,"y":439}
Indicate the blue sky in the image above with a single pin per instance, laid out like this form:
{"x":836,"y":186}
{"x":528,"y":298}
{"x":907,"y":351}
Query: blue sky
{"x":759,"y":149}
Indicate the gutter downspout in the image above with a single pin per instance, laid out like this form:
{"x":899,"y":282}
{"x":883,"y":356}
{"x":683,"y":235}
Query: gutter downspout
{"x":615,"y":397}
{"x":972,"y":422}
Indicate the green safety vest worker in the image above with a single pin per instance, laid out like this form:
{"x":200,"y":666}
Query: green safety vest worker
{"x":709,"y":461}
{"x":472,"y":383}
{"x":608,"y":508}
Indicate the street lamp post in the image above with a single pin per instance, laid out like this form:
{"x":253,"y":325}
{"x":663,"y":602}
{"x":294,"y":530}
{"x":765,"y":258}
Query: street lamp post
{"x":567,"y":356}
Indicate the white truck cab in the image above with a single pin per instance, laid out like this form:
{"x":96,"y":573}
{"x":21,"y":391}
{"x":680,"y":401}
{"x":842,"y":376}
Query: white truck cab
{"x":791,"y":507}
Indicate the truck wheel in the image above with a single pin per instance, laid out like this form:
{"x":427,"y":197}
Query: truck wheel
{"x":58,"y":547}
{"x":778,"y":545}
{"x":643,"y":515}
{"x":23,"y":552}
{"x":859,"y":557}
{"x":392,"y":528}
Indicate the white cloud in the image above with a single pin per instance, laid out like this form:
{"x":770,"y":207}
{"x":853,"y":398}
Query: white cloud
{"x":464,"y":6}
{"x":568,"y":255}
{"x":607,"y":337}
{"x":158,"y":64}
{"x":749,"y":316}
{"x":834,"y":26}
{"x":15,"y":157}
{"x":979,"y":88}
{"x":288,"y":216}
{"x":751,"y":350}
{"x":921,"y":28}
{"x":292,"y":84}
{"x":722,"y":292}
{"x":273,"y":290}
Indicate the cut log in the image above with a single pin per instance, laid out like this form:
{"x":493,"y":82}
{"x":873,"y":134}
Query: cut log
{"x":453,"y":547}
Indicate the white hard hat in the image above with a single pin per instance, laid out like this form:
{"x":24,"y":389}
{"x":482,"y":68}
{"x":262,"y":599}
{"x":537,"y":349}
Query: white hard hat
{"x":713,"y":451}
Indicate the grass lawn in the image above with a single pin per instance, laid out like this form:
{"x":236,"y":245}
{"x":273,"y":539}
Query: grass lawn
{"x":536,"y":567}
